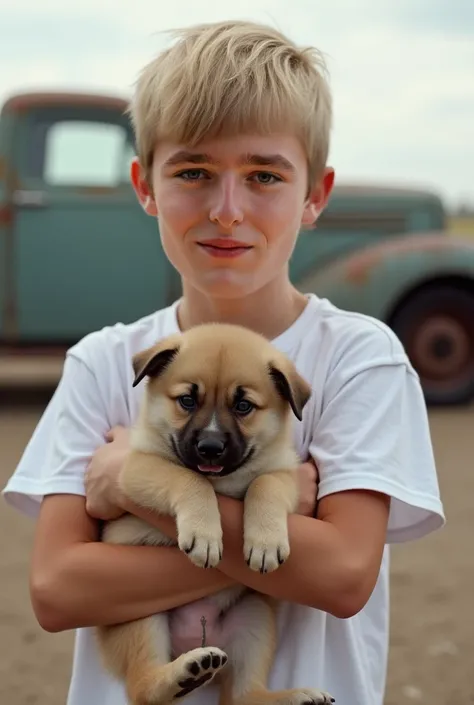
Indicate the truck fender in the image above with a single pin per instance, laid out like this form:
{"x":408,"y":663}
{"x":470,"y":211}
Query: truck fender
{"x":376,"y":278}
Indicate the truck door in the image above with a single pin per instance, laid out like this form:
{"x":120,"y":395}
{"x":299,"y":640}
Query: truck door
{"x":85,"y":253}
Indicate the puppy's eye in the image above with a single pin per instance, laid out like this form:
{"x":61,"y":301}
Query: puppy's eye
{"x":187,"y":402}
{"x":243,"y":407}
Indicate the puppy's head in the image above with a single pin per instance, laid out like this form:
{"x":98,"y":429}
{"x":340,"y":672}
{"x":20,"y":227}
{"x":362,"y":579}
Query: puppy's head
{"x":218,"y":395}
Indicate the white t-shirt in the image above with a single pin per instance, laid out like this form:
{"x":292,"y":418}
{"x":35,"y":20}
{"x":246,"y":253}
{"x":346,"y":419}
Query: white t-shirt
{"x":365,"y":425}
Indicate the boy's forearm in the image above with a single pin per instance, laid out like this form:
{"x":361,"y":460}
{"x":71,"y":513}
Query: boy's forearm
{"x":98,"y":584}
{"x":316,"y":573}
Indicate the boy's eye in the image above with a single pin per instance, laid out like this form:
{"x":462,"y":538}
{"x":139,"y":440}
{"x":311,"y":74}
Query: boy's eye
{"x":187,"y":402}
{"x":266,"y":178}
{"x":191,"y":174}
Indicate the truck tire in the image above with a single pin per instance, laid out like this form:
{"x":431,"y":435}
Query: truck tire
{"x":436,"y":327}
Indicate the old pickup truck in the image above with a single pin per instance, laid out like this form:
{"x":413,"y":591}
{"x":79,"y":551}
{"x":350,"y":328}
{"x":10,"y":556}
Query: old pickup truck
{"x":77,"y":252}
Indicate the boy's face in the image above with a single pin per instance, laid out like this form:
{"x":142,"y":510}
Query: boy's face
{"x":230,"y":210}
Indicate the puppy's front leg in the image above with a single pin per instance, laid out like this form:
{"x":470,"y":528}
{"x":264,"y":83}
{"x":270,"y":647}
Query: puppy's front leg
{"x":155,"y":483}
{"x":269,"y":500}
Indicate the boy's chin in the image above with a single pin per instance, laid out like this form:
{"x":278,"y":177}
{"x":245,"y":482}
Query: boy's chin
{"x":228,"y":285}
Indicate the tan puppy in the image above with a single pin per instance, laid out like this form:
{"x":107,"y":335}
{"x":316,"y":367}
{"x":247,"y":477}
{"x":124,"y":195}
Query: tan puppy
{"x":216,"y":417}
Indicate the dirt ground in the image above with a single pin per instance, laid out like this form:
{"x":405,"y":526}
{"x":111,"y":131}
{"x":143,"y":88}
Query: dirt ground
{"x":432,"y":633}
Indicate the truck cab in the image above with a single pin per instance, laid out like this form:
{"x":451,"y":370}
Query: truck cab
{"x":79,"y":251}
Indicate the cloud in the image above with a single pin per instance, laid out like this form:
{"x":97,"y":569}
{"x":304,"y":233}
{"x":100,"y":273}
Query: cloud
{"x":401,"y":72}
{"x":452,"y":17}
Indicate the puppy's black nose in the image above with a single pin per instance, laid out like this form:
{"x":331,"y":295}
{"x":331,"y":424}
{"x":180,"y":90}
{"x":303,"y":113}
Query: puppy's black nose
{"x":210,"y":447}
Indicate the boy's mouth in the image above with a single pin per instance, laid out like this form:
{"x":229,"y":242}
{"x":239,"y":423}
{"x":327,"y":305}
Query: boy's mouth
{"x":224,"y":247}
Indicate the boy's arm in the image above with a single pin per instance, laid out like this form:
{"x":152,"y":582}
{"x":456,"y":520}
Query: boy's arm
{"x":76,"y":581}
{"x":334,"y":561}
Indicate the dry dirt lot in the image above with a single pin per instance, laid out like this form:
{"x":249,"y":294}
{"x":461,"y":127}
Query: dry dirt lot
{"x":432,"y":636}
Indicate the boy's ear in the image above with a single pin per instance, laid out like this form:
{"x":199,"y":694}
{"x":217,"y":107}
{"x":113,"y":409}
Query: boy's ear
{"x":142,"y":188}
{"x":318,"y":198}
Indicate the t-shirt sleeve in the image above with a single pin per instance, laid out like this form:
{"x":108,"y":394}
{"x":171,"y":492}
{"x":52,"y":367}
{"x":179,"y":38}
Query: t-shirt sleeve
{"x":373,"y":434}
{"x":72,"y":427}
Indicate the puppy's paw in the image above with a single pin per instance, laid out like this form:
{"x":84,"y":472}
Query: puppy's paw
{"x":203,"y":545}
{"x":266,"y":553}
{"x":311,"y":697}
{"x":196,"y":668}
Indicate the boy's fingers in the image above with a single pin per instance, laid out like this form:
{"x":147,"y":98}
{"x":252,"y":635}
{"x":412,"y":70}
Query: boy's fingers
{"x":114,"y":433}
{"x":311,"y":464}
{"x":314,"y":464}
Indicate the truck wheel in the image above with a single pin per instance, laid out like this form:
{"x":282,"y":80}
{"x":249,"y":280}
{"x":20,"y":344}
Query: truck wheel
{"x":436,"y":327}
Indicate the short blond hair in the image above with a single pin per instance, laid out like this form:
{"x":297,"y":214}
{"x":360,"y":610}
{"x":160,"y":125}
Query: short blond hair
{"x":229,"y":78}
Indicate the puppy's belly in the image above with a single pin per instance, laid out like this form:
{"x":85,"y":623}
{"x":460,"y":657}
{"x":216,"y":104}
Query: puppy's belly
{"x":223,"y":617}
{"x":186,"y":628}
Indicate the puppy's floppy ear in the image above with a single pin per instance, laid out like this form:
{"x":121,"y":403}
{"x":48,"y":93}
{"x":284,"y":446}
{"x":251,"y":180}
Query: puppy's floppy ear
{"x":153,"y":361}
{"x":290,"y":386}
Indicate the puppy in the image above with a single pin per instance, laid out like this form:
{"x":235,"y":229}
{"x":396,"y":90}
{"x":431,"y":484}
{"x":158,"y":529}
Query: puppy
{"x":216,"y":417}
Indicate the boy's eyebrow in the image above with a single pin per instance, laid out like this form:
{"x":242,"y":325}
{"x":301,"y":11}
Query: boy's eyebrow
{"x":276,"y":160}
{"x":183,"y":156}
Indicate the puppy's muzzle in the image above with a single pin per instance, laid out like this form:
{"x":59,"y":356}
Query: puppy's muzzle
{"x":211,"y":451}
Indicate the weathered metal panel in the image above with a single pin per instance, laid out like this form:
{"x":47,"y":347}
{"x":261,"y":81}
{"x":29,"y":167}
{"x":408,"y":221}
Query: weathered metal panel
{"x":8,"y":181}
{"x":371,"y":280}
{"x":357,"y":217}
{"x":85,"y":256}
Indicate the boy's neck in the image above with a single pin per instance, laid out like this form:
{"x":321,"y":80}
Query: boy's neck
{"x":268,"y":311}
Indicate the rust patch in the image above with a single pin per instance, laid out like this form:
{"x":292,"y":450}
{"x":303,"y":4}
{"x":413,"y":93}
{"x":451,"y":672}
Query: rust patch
{"x":25,"y":101}
{"x":6,"y":216}
{"x":8,"y":175}
{"x":361,"y":264}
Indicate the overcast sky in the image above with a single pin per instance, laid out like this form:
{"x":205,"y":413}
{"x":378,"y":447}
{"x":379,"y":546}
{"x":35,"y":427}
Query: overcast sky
{"x":402,"y":71}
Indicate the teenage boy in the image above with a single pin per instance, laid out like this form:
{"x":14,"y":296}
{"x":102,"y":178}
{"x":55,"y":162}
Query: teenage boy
{"x":232,"y":126}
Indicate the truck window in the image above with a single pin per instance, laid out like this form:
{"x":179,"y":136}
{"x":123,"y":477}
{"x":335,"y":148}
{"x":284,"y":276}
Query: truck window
{"x":78,"y":152}
{"x":86,"y":154}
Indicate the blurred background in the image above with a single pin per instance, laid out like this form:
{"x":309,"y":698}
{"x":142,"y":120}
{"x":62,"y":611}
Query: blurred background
{"x":396,"y":242}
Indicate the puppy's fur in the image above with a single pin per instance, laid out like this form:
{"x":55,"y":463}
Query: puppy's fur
{"x":216,"y":417}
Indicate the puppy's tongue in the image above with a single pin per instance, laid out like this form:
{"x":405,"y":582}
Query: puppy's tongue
{"x":210,"y":468}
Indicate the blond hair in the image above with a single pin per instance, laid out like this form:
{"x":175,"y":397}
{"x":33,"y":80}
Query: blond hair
{"x":230,"y":78}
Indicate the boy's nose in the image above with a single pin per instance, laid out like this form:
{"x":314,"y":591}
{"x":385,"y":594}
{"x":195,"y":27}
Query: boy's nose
{"x":226,"y":207}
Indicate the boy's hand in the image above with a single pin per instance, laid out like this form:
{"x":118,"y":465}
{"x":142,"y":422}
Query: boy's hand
{"x":104,"y":499}
{"x":308,"y":478}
